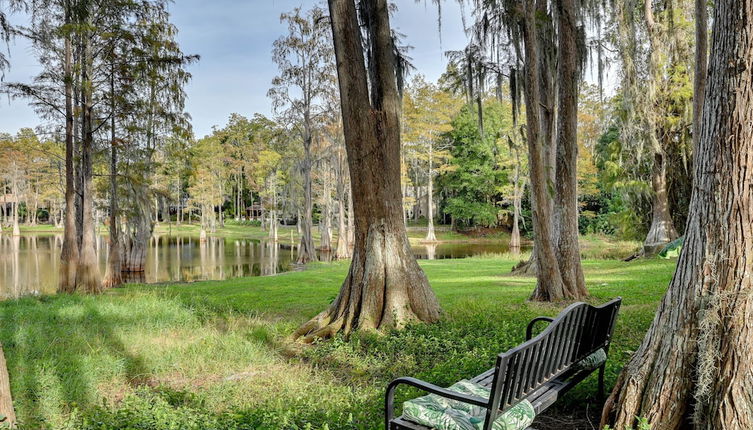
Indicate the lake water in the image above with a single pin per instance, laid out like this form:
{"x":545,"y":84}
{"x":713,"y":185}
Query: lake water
{"x":29,"y":263}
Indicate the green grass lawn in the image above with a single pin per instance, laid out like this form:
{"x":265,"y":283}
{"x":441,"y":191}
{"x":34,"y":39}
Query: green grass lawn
{"x":214,"y":355}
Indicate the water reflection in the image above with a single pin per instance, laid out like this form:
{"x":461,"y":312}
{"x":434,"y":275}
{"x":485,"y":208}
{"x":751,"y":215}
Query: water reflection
{"x":29,"y":264}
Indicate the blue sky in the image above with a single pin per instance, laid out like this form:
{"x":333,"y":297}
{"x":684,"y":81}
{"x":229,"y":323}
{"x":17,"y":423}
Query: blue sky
{"x":234,"y":39}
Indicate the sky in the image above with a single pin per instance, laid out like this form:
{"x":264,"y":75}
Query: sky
{"x":234,"y":39}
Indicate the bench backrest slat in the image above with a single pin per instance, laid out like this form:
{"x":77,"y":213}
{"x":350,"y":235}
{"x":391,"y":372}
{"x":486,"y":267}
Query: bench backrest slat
{"x":578,"y":331}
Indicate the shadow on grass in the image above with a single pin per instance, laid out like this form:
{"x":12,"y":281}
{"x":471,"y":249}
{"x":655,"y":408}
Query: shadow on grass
{"x":52,"y":346}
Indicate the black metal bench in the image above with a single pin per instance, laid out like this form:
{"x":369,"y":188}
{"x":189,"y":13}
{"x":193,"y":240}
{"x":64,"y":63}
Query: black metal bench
{"x":539,"y":370}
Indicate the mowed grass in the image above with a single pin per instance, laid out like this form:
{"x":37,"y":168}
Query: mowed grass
{"x":215,"y":355}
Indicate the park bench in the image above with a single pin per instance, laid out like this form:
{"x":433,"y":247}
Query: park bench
{"x":525,"y":381}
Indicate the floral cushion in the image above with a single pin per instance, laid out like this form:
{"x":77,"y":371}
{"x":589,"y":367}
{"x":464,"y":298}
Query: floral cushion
{"x":444,"y":414}
{"x":591,"y":362}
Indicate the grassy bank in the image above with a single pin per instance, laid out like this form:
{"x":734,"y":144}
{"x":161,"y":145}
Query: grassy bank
{"x":214,"y":355}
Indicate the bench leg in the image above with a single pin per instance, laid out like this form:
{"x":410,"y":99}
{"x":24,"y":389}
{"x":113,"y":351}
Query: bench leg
{"x":602,"y":398}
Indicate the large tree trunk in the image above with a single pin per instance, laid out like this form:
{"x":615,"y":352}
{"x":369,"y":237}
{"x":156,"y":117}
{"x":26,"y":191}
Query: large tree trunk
{"x":385,"y":288}
{"x":88,"y":277}
{"x":306,"y":250}
{"x":549,"y":284}
{"x":662,"y":229}
{"x":566,"y":183}
{"x":69,"y":253}
{"x":139,"y":231}
{"x":694,"y":367}
{"x":544,"y":75}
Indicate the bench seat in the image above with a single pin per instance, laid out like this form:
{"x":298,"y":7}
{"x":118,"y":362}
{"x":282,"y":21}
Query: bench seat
{"x":541,"y":370}
{"x":541,"y":399}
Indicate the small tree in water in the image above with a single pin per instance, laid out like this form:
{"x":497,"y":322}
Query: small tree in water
{"x":385,"y":287}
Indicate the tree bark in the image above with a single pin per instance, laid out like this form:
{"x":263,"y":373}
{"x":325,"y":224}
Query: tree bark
{"x":139,"y":229}
{"x":385,"y":288}
{"x":325,"y":221}
{"x":662,"y":229}
{"x":343,"y":245}
{"x":549,"y":284}
{"x":517,"y":191}
{"x":694,"y":368}
{"x":430,"y":236}
{"x":14,"y":187}
{"x":273,"y":221}
{"x":351,"y":219}
{"x":88,"y":277}
{"x":113,"y":276}
{"x":306,"y":249}
{"x":701,"y":66}
{"x":69,"y":253}
{"x":566,"y":183}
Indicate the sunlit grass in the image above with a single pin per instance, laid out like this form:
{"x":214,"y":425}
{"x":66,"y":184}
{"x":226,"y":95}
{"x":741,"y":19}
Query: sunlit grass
{"x":215,"y":354}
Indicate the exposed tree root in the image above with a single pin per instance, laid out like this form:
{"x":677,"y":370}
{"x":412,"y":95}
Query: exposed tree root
{"x":383,"y":290}
{"x":526,"y":268}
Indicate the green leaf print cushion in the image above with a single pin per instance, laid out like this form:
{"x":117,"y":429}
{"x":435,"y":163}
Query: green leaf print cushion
{"x":444,"y":414}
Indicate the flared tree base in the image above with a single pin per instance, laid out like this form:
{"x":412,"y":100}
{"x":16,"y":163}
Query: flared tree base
{"x":385,"y":289}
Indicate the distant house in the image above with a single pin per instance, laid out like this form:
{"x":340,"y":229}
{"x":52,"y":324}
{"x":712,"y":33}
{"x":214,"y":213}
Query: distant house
{"x":254,"y":211}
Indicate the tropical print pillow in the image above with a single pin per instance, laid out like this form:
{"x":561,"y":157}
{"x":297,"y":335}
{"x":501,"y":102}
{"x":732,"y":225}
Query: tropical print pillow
{"x":444,"y":414}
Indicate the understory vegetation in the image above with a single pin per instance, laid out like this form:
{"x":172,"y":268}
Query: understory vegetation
{"x":216,"y":354}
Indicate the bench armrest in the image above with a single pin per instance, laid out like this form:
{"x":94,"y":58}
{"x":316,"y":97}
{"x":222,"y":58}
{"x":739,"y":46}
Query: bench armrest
{"x":529,"y":329}
{"x":430,"y":388}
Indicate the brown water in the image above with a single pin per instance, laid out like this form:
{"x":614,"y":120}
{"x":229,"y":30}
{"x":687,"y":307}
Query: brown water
{"x":29,"y":263}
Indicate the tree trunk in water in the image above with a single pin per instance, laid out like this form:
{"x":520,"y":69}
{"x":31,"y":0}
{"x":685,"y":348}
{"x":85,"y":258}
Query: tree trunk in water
{"x":140,"y":229}
{"x":306,"y":249}
{"x":343,"y":245}
{"x":88,"y":277}
{"x":662,"y":229}
{"x":385,"y":288}
{"x":694,"y":367}
{"x":204,"y":223}
{"x":325,"y":230}
{"x":566,"y":183}
{"x":113,"y":276}
{"x":69,"y":253}
{"x":430,"y":236}
{"x":273,"y":222}
{"x":343,"y":250}
{"x":16,"y":228}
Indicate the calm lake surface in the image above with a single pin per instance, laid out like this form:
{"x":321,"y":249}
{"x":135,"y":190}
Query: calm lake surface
{"x":29,"y":263}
